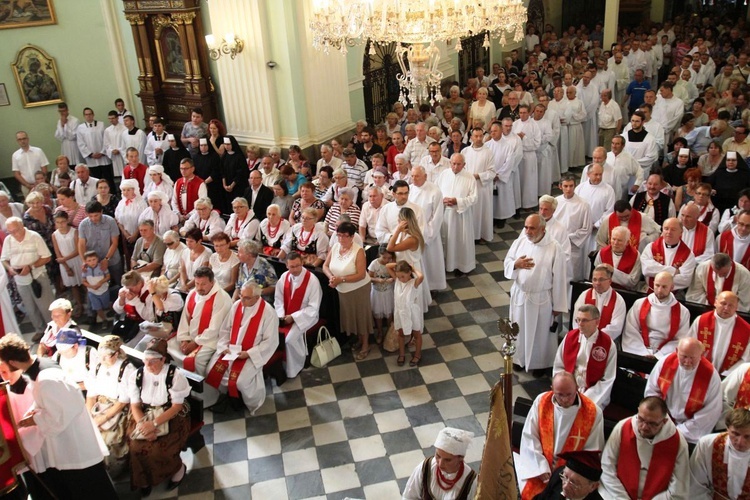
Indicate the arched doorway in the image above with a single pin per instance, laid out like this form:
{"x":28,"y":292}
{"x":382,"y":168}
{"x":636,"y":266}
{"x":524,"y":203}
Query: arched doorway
{"x":380,"y":85}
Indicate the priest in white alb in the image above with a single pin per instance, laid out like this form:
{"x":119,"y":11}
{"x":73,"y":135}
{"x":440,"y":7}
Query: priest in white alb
{"x":528,"y":131}
{"x":546,"y":156}
{"x":574,"y":213}
{"x":609,"y":303}
{"x":480,"y":164}
{"x":539,"y":295}
{"x":690,"y":385}
{"x":601,"y":198}
{"x":724,"y":335}
{"x":669,"y":254}
{"x":428,"y":196}
{"x":297,"y":302}
{"x":248,"y":338}
{"x":718,"y":275}
{"x":459,"y":190}
{"x":696,"y":235}
{"x":575,"y":116}
{"x":507,"y":150}
{"x":624,"y":259}
{"x":589,"y":94}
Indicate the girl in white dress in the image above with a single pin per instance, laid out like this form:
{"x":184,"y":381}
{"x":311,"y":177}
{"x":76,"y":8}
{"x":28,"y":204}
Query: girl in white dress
{"x":407,"y":315}
{"x":381,"y":293}
{"x":408,"y":243}
{"x":65,"y":241}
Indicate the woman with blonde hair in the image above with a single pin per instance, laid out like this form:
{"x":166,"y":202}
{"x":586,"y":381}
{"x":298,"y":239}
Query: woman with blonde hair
{"x":408,"y":243}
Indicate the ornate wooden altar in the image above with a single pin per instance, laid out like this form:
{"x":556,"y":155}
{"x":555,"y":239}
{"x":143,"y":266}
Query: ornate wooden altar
{"x":172,"y":59}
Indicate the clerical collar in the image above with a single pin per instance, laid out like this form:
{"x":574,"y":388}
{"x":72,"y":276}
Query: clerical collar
{"x":20,"y":386}
{"x":133,"y":131}
{"x":39,"y":365}
{"x":670,"y":246}
{"x":634,"y":136}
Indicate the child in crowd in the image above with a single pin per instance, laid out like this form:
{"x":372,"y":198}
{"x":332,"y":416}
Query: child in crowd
{"x":381,"y":293}
{"x":64,"y":180}
{"x":39,"y":178}
{"x":65,"y":241}
{"x":96,"y":281}
{"x":407,"y":315}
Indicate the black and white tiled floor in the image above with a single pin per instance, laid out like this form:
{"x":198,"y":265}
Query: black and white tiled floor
{"x":358,"y":428}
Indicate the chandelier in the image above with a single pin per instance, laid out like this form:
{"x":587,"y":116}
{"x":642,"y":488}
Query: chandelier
{"x":418,"y":23}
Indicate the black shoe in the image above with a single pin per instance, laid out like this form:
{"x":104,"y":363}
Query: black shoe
{"x":500,"y":223}
{"x":174,"y":484}
{"x":458,"y":274}
{"x":517,"y":368}
{"x":145,"y":492}
{"x":517,"y":215}
{"x":221,"y":404}
{"x":541,"y":372}
{"x":236,"y":404}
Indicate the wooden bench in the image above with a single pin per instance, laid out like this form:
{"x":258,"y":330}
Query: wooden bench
{"x":195,"y":440}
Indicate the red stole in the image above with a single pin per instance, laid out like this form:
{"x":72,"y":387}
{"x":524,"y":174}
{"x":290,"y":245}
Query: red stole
{"x":248,"y":341}
{"x":576,"y":440}
{"x":719,"y":470}
{"x":711,"y":286}
{"x":657,"y":250}
{"x":605,"y":317}
{"x":675,"y":317}
{"x":293,"y":301}
{"x":191,"y":189}
{"x":634,"y":225}
{"x":726,"y":245}
{"x":659,"y":470}
{"x":189,"y":362}
{"x":627,"y":261}
{"x":131,"y":312}
{"x":700,"y":382}
{"x":699,"y":241}
{"x":597,"y":363}
{"x":737,"y":344}
{"x":743,"y":394}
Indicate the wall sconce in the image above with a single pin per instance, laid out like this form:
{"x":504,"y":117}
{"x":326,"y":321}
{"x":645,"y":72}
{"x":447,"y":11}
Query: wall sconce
{"x":230,"y":44}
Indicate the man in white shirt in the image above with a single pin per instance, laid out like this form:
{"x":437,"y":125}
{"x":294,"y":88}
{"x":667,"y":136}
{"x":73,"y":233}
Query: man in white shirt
{"x":434,"y":163}
{"x":724,"y":334}
{"x":26,"y":161}
{"x":599,"y":156}
{"x":717,"y":275}
{"x":691,"y":387}
{"x":65,"y":133}
{"x":668,"y":111}
{"x":156,"y":144}
{"x":657,"y":322}
{"x":547,"y":159}
{"x":368,"y":216}
{"x":84,"y":186}
{"x":416,"y":148}
{"x":113,"y":144}
{"x":601,"y":199}
{"x":610,"y":119}
{"x":590,"y":355}
{"x":640,"y":143}
{"x":622,"y":257}
{"x":327,"y":158}
{"x":270,"y":173}
{"x":90,"y":137}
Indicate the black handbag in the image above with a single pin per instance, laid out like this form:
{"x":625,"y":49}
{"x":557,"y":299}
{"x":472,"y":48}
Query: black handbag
{"x":126,"y":329}
{"x":36,"y":287}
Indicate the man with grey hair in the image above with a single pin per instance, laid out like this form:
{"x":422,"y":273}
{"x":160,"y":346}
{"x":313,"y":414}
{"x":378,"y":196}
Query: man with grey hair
{"x":434,"y":163}
{"x":479,"y":163}
{"x":459,"y":190}
{"x":528,"y":170}
{"x":507,"y":150}
{"x":416,"y":148}
{"x":355,"y":168}
{"x":327,"y":158}
{"x":624,"y":259}
{"x":254,"y":267}
{"x":590,"y":355}
{"x":539,"y":295}
{"x":24,"y":257}
{"x":609,"y":303}
{"x":696,"y":235}
{"x":246,"y":340}
{"x":553,"y":227}
{"x":428,"y":196}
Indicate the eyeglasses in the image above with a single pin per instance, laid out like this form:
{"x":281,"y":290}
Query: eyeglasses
{"x":570,"y":482}
{"x":652,"y":425}
{"x":584,"y":320}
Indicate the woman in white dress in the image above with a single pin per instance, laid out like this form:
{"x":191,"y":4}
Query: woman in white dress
{"x":272,"y":231}
{"x":65,"y":242}
{"x":224,"y":263}
{"x":408,"y":243}
{"x":242,"y":223}
{"x":482,"y":109}
{"x":193,"y":257}
{"x":157,"y":181}
{"x":172,"y":257}
{"x":160,"y":213}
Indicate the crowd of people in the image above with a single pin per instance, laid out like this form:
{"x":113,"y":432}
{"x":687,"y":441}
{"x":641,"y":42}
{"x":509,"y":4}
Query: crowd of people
{"x":174,"y":236}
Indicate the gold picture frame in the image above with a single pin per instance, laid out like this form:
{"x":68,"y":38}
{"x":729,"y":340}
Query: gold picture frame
{"x":26,"y":13}
{"x":37,"y":77}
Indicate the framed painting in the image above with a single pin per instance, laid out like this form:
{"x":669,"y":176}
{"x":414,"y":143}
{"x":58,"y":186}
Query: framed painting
{"x":37,"y":77}
{"x":25,"y":13}
{"x":169,"y":53}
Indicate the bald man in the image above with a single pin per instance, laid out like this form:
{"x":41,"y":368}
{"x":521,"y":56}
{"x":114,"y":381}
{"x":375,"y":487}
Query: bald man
{"x":609,"y":176}
{"x":669,"y":254}
{"x":696,"y":235}
{"x":690,"y":385}
{"x":657,"y":322}
{"x":559,"y":420}
{"x":724,"y":335}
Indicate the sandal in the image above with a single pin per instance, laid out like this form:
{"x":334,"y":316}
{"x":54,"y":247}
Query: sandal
{"x":401,"y":360}
{"x":362,"y":355}
{"x":415,"y":360}
{"x":356,"y":346}
{"x":378,"y":338}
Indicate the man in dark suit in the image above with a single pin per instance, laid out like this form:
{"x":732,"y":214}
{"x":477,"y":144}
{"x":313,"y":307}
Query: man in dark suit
{"x":258,"y":196}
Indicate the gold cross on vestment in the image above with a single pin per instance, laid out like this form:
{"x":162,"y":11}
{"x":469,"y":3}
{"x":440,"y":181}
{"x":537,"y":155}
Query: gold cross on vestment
{"x":578,"y":438}
{"x":698,"y":398}
{"x":737,"y":348}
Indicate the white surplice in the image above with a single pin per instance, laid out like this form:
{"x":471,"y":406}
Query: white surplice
{"x":528,"y":169}
{"x":697,"y":292}
{"x":658,"y":322}
{"x":575,"y":215}
{"x":457,"y":231}
{"x":601,"y":391}
{"x":617,"y":323}
{"x":480,"y":162}
{"x":650,"y":267}
{"x":722,"y":338}
{"x":507,"y":153}
{"x":591,"y":98}
{"x":429,"y":197}
{"x":575,"y":116}
{"x":701,"y":469}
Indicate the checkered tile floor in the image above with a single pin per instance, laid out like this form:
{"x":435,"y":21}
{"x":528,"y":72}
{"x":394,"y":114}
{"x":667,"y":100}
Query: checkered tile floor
{"x":357,"y":429}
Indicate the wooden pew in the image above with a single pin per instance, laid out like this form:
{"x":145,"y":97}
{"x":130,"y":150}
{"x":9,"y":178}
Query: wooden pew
{"x":195,"y":440}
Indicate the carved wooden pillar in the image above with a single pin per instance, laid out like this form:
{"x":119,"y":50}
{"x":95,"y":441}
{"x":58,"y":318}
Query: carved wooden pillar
{"x":172,"y":59}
